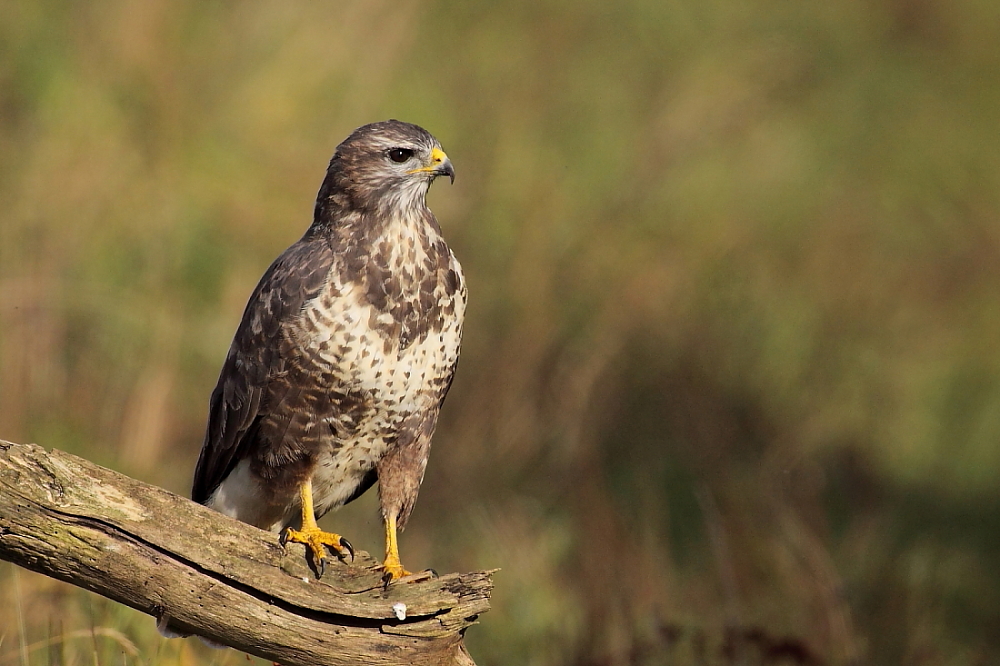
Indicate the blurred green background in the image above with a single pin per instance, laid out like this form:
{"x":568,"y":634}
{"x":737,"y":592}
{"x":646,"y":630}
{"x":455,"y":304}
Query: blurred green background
{"x":730,"y":387}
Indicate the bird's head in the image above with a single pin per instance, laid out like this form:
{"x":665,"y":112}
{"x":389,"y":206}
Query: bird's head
{"x":386,"y":166}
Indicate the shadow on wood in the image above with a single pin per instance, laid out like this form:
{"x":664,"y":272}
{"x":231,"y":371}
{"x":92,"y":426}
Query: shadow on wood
{"x":219,"y":578}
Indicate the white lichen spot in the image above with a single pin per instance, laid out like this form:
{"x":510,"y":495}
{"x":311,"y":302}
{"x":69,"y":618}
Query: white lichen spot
{"x":400,"y":610}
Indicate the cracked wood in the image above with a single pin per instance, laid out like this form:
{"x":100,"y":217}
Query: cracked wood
{"x":159,"y":553}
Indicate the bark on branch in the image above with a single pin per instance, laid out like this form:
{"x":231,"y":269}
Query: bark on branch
{"x":229,"y":582}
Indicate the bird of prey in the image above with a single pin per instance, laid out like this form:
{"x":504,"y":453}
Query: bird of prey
{"x":344,"y":355}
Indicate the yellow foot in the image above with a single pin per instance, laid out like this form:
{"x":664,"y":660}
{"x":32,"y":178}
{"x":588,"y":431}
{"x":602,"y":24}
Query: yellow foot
{"x":393,"y":570}
{"x":391,"y":565}
{"x":394,"y":574}
{"x":315,"y":539}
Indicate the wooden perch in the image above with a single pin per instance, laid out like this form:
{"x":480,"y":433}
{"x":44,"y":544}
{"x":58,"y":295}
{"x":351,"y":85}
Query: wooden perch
{"x":216,"y":577}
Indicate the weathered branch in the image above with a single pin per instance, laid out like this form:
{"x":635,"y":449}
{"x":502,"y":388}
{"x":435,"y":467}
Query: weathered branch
{"x":229,"y":582}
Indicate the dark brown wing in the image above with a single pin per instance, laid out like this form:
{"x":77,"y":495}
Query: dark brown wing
{"x":254,"y":358}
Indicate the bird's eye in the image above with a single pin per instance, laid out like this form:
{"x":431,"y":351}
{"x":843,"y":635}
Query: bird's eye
{"x":400,"y":155}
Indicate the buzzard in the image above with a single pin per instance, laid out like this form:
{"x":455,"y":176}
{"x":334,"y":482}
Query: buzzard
{"x":344,"y":355}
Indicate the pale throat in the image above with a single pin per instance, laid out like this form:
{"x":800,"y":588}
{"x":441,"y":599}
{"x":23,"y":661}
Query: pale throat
{"x":409,"y":224}
{"x":407,"y":202}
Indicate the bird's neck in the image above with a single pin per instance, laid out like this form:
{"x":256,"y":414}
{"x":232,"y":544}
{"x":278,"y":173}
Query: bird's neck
{"x":397,"y":223}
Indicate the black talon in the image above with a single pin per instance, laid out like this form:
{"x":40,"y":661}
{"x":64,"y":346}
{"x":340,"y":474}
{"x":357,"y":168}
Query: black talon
{"x":433,"y":573}
{"x":320,"y":567}
{"x":347,"y":546}
{"x":283,"y":537}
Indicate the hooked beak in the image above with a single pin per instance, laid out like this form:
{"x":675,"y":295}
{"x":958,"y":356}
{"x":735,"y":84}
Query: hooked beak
{"x":440,"y":165}
{"x":446,"y":169}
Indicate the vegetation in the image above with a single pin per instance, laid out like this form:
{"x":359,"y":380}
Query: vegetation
{"x":730,"y":391}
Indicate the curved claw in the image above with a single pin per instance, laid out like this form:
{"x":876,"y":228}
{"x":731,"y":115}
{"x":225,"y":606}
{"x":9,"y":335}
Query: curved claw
{"x":346,"y":545}
{"x":320,"y":567}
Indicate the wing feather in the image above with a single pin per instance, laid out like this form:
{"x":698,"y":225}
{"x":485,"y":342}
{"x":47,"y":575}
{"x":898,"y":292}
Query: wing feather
{"x":254,"y":359}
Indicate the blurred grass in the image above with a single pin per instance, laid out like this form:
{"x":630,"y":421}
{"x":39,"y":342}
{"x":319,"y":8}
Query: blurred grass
{"x":730,"y":361}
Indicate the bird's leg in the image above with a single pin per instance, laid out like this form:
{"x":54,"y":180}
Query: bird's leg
{"x":391,"y":566}
{"x":313,"y":537}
